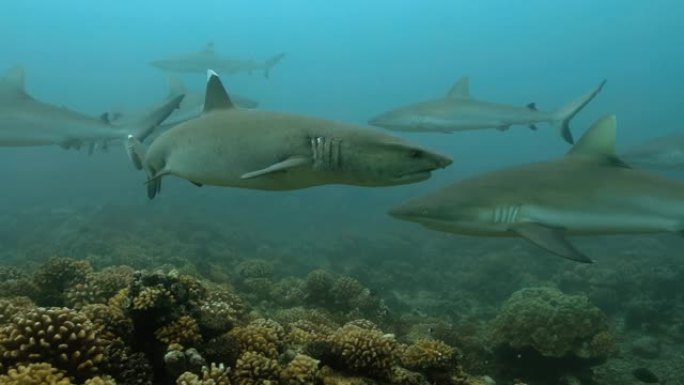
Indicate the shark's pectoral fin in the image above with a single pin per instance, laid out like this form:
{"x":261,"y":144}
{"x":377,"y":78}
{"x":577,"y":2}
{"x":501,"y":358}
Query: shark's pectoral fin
{"x":290,"y":162}
{"x":550,"y":239}
{"x":533,"y":127}
{"x":503,"y":128}
{"x":197,"y":184}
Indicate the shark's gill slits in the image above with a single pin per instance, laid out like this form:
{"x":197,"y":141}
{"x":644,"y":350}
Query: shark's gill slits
{"x":326,"y":153}
{"x":506,"y":214}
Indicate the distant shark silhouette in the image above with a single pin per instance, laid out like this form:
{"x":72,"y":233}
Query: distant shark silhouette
{"x":201,"y":61}
{"x":457,"y":111}
{"x":663,"y":153}
{"x":25,"y":121}
{"x":588,"y":192}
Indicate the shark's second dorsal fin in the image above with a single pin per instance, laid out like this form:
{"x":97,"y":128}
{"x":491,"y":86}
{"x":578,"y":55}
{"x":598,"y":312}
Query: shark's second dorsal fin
{"x":598,"y":143}
{"x":13,"y":83}
{"x":216,"y":97}
{"x":460,"y":89}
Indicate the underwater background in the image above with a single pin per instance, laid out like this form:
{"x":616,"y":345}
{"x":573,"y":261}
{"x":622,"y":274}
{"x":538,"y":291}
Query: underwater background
{"x":291,"y":270}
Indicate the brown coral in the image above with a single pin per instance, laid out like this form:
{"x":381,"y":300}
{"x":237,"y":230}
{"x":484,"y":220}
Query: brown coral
{"x":259,"y":337}
{"x":213,"y":375}
{"x":428,"y":355}
{"x":99,"y":287}
{"x":364,"y":351}
{"x":56,"y":275}
{"x":152,"y":297}
{"x":62,"y":337}
{"x":13,"y":282}
{"x":10,"y":307}
{"x":184,"y":331}
{"x":302,"y":370}
{"x":220,"y":312}
{"x":255,"y":369}
{"x":100,"y":380}
{"x":35,"y":374}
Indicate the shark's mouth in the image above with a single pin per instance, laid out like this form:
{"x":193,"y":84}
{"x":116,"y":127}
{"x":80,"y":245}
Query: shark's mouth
{"x":415,"y":176}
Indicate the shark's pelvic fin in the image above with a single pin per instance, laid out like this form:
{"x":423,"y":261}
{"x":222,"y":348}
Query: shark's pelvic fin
{"x":460,"y":89}
{"x":598,"y":143}
{"x":550,"y":239}
{"x":291,"y":162}
{"x":215,"y":97}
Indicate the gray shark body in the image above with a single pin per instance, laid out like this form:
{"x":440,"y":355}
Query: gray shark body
{"x":589,"y":192}
{"x":457,"y":111}
{"x":25,"y":121}
{"x":663,"y":153}
{"x":229,"y":146}
{"x":201,"y":61}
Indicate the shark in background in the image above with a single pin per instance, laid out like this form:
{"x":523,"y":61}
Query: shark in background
{"x":458,"y":111}
{"x":264,"y":150}
{"x":664,"y":153}
{"x":201,"y":61}
{"x":26,"y":121}
{"x":588,"y":192}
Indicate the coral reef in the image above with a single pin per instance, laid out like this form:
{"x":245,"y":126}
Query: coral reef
{"x":63,"y":337}
{"x":253,"y":368}
{"x":554,"y":324}
{"x":212,"y":375}
{"x":35,"y":374}
{"x":55,"y":276}
{"x":302,"y":370}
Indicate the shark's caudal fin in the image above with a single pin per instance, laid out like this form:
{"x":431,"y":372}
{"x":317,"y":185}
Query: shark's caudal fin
{"x":564,"y":114}
{"x":269,"y":63}
{"x":144,"y":126}
{"x":136,"y":153}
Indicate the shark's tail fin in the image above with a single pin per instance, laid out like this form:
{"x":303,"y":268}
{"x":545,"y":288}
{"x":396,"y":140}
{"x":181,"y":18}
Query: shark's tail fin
{"x":136,"y":153}
{"x":564,"y":114}
{"x":270,"y":63}
{"x":144,"y":126}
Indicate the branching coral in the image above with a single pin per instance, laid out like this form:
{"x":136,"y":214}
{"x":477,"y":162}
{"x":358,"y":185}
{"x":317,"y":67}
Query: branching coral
{"x":13,"y":282}
{"x":554,"y":324}
{"x":56,"y":275}
{"x":183,"y":331}
{"x":363,"y":351}
{"x":213,"y":375}
{"x":255,"y":369}
{"x":428,"y":355}
{"x":302,"y":370}
{"x":99,"y":287}
{"x":260,"y":337}
{"x":100,"y":380}
{"x":220,"y":312}
{"x":63,"y":337}
{"x":35,"y":374}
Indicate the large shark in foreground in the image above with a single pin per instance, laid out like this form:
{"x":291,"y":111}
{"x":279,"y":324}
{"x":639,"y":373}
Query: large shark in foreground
{"x":201,"y":61}
{"x":662,"y":153}
{"x":256,"y":149}
{"x":25,"y":121}
{"x":588,"y":192}
{"x":457,"y":111}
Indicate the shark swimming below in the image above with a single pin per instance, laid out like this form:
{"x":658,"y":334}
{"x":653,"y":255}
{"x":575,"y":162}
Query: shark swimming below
{"x":663,"y":153}
{"x":458,"y":111}
{"x":588,"y":192}
{"x":256,"y":149}
{"x":201,"y":61}
{"x":26,"y":121}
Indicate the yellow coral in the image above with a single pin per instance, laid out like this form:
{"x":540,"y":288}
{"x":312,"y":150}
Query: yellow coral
{"x":100,"y":380}
{"x":427,"y":355}
{"x":368,"y":352}
{"x":151,"y":297}
{"x":184,"y":331}
{"x":213,"y":375}
{"x":34,"y":374}
{"x":255,"y":369}
{"x":258,"y":338}
{"x":302,"y":370}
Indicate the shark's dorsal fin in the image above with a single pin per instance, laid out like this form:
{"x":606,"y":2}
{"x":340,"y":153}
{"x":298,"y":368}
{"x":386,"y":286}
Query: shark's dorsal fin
{"x":216,"y":97}
{"x":209,"y":48}
{"x":598,"y":143}
{"x":13,"y":83}
{"x":460,"y":89}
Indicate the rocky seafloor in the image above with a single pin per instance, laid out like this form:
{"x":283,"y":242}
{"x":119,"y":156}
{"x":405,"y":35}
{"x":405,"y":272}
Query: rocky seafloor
{"x":97,"y":298}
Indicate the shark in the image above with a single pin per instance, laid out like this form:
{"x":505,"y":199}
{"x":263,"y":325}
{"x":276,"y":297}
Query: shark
{"x":588,"y":192}
{"x":458,"y":111}
{"x":27,"y":121}
{"x":268,"y":150}
{"x":662,"y":153}
{"x":201,"y":61}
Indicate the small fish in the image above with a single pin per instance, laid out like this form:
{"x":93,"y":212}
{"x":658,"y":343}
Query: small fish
{"x":645,"y":375}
